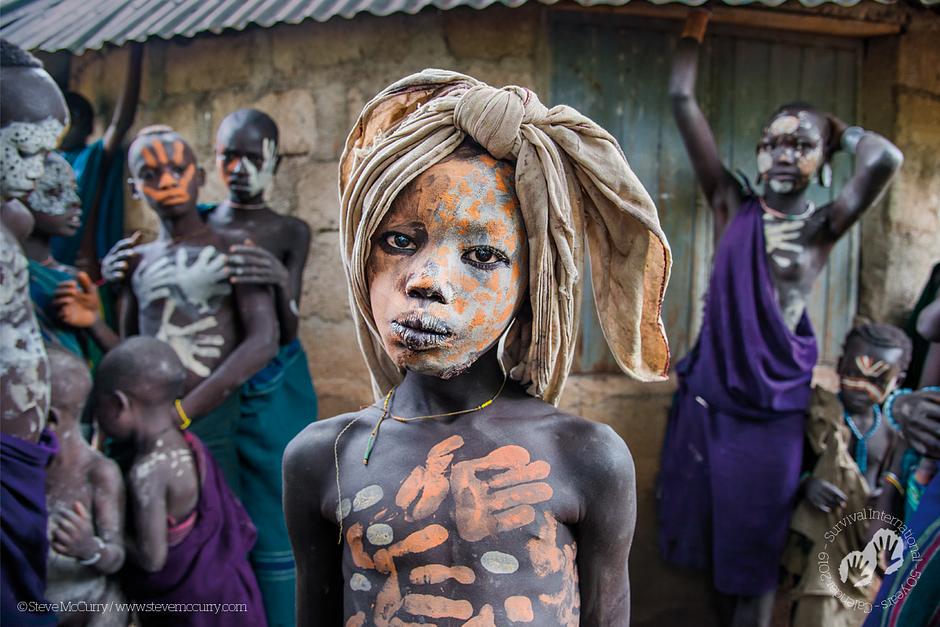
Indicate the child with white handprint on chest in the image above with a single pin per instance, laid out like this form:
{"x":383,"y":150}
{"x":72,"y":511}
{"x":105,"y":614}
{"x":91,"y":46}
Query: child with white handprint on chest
{"x":848,"y":519}
{"x":179,"y":292}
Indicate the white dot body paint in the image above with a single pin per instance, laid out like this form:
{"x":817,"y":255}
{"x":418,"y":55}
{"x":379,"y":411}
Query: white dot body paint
{"x":367,"y":497}
{"x":380,"y":534}
{"x":359,"y":582}
{"x":781,"y":187}
{"x":343,"y":509}
{"x":784,"y":124}
{"x":23,"y":148}
{"x":57,"y":174}
{"x":499,"y":563}
{"x":764,"y":161}
{"x":24,"y":366}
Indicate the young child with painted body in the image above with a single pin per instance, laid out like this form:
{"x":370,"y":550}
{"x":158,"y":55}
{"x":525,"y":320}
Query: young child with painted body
{"x":85,"y":501}
{"x":66,"y":300}
{"x":850,"y":452}
{"x":463,"y":496}
{"x":179,"y":292}
{"x":32,"y":117}
{"x":189,"y":535}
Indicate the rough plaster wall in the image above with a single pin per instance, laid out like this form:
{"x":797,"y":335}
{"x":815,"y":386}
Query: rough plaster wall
{"x":901,"y":236}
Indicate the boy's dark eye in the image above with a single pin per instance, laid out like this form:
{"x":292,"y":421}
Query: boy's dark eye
{"x":485,"y":257}
{"x":399,"y":241}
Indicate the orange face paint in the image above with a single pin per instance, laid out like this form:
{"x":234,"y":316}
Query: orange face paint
{"x":165,"y":181}
{"x":449,"y":265}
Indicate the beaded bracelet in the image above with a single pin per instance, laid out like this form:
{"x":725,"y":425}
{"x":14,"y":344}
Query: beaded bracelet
{"x":892,"y":478}
{"x":888,"y":409}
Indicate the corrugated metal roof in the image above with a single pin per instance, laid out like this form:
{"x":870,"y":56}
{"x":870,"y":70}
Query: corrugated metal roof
{"x":79,"y":25}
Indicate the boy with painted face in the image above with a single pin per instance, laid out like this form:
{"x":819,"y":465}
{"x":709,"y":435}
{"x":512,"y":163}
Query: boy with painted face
{"x":85,"y":498}
{"x":279,"y":401}
{"x":731,"y":455}
{"x":849,"y":462}
{"x":189,"y":536}
{"x":32,"y":116}
{"x":463,"y":496}
{"x":65,"y":299}
{"x":179,"y":292}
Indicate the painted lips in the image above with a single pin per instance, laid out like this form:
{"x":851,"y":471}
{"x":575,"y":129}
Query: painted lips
{"x":421,"y":331}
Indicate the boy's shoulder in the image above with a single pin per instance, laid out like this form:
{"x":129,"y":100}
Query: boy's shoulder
{"x":104,"y":471}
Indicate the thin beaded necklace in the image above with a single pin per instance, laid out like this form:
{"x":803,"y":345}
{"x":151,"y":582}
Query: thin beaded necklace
{"x":810,"y":210}
{"x":861,"y":440}
{"x":370,"y":444}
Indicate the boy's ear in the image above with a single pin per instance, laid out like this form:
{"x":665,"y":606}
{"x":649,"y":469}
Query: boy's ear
{"x":123,"y":402}
{"x":54,"y":417}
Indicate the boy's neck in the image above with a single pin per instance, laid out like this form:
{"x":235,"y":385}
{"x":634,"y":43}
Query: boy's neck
{"x":71,"y":443}
{"x":37,"y":247}
{"x":188,"y":225}
{"x":154,"y":424}
{"x":420,"y":394}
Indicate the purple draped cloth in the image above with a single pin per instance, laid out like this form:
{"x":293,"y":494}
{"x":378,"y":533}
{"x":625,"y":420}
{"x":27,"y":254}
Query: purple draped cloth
{"x":209,"y":566}
{"x":734,"y":441}
{"x":23,"y":542}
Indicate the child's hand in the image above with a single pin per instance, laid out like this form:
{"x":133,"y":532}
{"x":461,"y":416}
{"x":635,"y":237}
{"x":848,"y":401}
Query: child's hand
{"x":73,"y":534}
{"x":248,"y":263}
{"x":78,"y":302}
{"x":115,"y":264}
{"x":823,"y":495}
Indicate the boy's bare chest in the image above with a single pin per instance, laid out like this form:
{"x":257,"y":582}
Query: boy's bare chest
{"x":461,"y":529}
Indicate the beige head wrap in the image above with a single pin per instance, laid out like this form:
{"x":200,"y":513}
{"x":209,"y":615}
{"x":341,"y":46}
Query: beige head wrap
{"x":572,"y":180}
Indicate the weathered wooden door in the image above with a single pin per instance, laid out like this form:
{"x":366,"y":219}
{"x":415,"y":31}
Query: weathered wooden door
{"x":617,"y":72}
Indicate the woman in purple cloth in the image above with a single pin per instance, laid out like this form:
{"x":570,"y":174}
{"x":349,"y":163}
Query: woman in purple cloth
{"x":189,"y":535}
{"x":32,"y":117}
{"x":732,"y":454}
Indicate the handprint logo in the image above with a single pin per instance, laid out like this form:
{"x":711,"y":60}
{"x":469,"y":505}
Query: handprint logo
{"x":858,"y":564}
{"x":889,"y":542}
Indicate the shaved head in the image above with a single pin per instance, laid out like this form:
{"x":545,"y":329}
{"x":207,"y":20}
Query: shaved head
{"x":71,"y":380}
{"x":143,"y":368}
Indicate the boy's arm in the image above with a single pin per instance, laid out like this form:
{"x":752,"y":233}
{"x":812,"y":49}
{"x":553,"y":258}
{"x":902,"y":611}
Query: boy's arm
{"x":126,"y":107}
{"x":259,"y":345}
{"x":108,"y":504}
{"x":605,"y":531}
{"x":148,"y":502}
{"x":253,"y":264}
{"x":307,"y":461}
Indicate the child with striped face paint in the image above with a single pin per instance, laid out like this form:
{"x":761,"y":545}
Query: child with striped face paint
{"x":179,"y":291}
{"x":852,"y":463}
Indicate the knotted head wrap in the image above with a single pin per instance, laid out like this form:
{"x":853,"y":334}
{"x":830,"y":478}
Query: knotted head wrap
{"x":573,"y":182}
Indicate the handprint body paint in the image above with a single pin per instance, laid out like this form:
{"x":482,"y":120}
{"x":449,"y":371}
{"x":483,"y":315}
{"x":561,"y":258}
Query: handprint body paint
{"x":472,"y":536}
{"x":185,"y":299}
{"x":449,"y":265}
{"x":164,"y":171}
{"x":246,"y":155}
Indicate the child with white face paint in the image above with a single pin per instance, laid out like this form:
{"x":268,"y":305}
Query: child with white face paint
{"x":281,"y":400}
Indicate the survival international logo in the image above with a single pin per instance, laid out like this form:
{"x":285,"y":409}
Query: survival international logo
{"x":854,"y":580}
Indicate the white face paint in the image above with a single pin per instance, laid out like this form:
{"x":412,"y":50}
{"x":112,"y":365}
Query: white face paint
{"x":781,"y":187}
{"x":764,"y":160}
{"x":871,"y":367}
{"x":259,"y":179}
{"x":56,"y":190}
{"x":784,"y":125}
{"x":23,"y":148}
